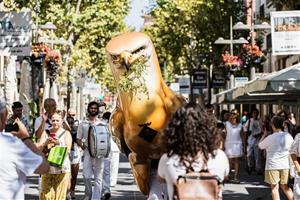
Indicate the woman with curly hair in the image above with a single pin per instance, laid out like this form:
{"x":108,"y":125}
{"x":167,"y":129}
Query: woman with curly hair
{"x":191,"y":146}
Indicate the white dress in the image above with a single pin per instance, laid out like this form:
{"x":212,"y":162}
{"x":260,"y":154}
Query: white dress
{"x":233,"y":141}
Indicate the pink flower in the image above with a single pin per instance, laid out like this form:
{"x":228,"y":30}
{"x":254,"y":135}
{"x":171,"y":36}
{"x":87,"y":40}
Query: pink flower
{"x":231,"y":61}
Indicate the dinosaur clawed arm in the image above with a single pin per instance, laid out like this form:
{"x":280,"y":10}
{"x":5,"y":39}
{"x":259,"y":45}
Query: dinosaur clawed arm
{"x":116,"y":125}
{"x":171,"y":100}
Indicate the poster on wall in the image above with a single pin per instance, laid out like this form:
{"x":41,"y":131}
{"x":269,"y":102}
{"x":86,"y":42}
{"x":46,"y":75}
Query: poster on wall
{"x":285,"y":27}
{"x":15,"y":33}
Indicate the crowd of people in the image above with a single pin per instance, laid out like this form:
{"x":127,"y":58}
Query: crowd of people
{"x":54,"y":128}
{"x":269,"y":145}
{"x":195,"y":140}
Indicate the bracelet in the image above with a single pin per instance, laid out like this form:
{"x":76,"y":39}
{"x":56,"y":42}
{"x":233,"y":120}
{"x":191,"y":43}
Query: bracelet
{"x":26,"y":138}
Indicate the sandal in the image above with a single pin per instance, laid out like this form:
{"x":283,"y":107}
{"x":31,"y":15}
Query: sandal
{"x":235,"y":181}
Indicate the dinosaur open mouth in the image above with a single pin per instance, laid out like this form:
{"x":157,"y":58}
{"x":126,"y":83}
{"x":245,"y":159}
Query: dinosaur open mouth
{"x":133,"y":79}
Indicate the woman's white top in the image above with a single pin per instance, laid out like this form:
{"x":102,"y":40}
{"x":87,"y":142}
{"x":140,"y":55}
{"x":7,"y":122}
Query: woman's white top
{"x":277,"y":147}
{"x":233,"y":132}
{"x":295,"y":148}
{"x":170,"y":168}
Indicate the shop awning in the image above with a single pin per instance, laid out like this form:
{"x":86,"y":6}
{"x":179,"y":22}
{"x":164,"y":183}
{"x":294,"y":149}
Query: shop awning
{"x":281,"y":87}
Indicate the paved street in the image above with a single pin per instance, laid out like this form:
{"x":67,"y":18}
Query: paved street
{"x":251,"y":187}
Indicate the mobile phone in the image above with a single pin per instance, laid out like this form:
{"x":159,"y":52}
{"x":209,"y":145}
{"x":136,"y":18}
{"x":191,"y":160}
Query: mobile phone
{"x":11,"y":127}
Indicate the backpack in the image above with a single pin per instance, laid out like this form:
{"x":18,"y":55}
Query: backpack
{"x":197,"y":186}
{"x":98,"y":140}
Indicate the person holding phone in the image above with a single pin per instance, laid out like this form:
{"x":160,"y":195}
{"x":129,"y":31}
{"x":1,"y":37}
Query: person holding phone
{"x":55,"y":183}
{"x":44,"y":122}
{"x":21,"y":158}
{"x":17,"y":108}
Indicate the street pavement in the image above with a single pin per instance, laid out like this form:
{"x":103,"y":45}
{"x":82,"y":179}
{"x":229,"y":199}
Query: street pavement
{"x":251,"y":187}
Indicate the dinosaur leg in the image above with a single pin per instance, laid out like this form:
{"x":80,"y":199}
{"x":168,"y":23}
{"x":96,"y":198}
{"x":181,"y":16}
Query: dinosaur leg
{"x":141,"y":172}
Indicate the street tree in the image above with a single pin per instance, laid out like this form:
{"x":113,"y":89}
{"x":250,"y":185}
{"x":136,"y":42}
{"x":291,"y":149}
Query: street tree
{"x":183,"y":32}
{"x":91,"y":23}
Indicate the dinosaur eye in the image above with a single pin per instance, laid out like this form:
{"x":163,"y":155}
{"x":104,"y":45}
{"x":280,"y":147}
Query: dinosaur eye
{"x":114,"y":58}
{"x":138,"y":50}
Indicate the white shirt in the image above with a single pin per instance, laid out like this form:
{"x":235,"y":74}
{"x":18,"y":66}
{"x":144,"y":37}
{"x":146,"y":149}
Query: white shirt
{"x":169,"y":168}
{"x":89,"y":163}
{"x":38,"y":123}
{"x":17,"y":162}
{"x":277,"y":148}
{"x":295,"y":148}
{"x":233,"y":133}
{"x":83,"y":128}
{"x":255,"y":128}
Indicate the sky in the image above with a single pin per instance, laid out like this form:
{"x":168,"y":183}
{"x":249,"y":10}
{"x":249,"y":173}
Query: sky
{"x":134,"y":18}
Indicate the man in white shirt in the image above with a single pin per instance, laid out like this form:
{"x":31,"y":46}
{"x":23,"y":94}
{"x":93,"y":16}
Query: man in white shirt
{"x":254,"y":154}
{"x":92,"y":167}
{"x":277,"y":147}
{"x":19,"y":158}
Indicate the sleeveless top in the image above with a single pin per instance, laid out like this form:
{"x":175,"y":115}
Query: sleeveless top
{"x":66,"y":167}
{"x":233,"y":133}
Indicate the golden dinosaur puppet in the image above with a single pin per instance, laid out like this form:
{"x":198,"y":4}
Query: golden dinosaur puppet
{"x":144,"y":105}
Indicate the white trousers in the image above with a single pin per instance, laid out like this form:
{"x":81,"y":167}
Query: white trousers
{"x":114,"y":167}
{"x":110,"y":171}
{"x":106,"y":175}
{"x":158,"y":190}
{"x":92,"y":168}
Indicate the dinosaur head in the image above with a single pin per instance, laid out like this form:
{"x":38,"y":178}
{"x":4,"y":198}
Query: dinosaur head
{"x":132,"y":55}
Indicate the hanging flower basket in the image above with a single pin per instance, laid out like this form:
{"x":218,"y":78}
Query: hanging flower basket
{"x":230,"y":62}
{"x":42,"y":54}
{"x":252,"y":56}
{"x":38,"y":53}
{"x":52,"y":64}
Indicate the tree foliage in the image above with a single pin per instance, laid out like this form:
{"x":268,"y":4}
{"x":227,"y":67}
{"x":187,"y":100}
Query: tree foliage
{"x":92,"y":26}
{"x":184,"y":31}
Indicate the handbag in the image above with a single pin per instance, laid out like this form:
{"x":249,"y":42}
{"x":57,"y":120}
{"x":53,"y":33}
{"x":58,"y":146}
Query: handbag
{"x":57,"y":156}
{"x":197,"y":186}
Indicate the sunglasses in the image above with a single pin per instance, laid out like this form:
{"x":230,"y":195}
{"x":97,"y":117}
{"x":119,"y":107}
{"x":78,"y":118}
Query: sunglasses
{"x":233,"y":113}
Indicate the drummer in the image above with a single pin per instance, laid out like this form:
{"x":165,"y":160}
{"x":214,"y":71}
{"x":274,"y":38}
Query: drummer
{"x":92,"y":167}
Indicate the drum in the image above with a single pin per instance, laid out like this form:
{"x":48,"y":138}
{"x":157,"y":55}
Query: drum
{"x":99,"y":141}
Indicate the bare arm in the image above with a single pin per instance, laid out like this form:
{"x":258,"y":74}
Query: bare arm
{"x":68,"y":140}
{"x":23,"y":134}
{"x":41,"y":128}
{"x":80,"y":143}
{"x":296,"y":163}
{"x":42,"y":141}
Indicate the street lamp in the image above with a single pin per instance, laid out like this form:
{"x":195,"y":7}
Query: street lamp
{"x":252,"y":27}
{"x":231,"y":42}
